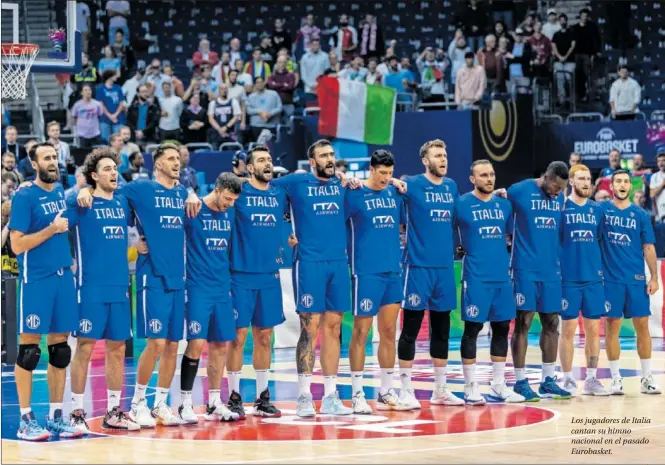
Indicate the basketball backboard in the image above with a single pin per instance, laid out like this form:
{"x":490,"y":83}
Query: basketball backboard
{"x":24,"y":22}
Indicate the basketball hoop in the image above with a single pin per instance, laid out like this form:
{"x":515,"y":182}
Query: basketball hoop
{"x":17,"y":60}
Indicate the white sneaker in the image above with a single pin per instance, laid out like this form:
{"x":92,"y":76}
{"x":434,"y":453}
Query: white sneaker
{"x":140,"y":413}
{"x":219,"y":412}
{"x":360,"y":405}
{"x":77,"y":421}
{"x":616,"y":388}
{"x":164,"y":416}
{"x":570,"y":385}
{"x":593,"y":387}
{"x":408,"y":398}
{"x":472,"y":395}
{"x":390,"y":401}
{"x":648,"y":386}
{"x":444,"y":396}
{"x":502,"y":393}
{"x":187,"y":415}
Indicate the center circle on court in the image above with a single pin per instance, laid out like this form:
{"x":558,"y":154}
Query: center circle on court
{"x":429,"y":421}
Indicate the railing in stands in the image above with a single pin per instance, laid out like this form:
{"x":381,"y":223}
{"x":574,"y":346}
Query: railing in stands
{"x":437,"y":106}
{"x":590,"y":116}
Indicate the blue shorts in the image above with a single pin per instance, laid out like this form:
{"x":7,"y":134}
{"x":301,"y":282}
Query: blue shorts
{"x":429,"y":288}
{"x":587,"y":297}
{"x":48,"y":305}
{"x":160,"y":313}
{"x":482,"y":302}
{"x":373,"y":291}
{"x":103,"y":320}
{"x":626,"y":300}
{"x":322,"y":286}
{"x":209,"y":318}
{"x":537,"y":296}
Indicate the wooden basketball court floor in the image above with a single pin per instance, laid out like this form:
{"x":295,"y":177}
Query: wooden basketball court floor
{"x":525,"y":433}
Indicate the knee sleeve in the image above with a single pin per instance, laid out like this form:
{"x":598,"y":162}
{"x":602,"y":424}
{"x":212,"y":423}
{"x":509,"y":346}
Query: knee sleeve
{"x":406,"y":347}
{"x":60,"y":354}
{"x":439,"y":331}
{"x":28,"y":356}
{"x":499,"y":343}
{"x":470,"y":339}
{"x":549,"y":322}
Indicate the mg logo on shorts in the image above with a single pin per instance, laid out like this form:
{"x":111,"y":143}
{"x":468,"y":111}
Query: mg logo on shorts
{"x":32,"y":321}
{"x":194,"y":327}
{"x":520,"y":299}
{"x":155,"y":326}
{"x":472,"y":311}
{"x":608,"y":306}
{"x":414,"y":300}
{"x":564,"y":304}
{"x":235,"y":314}
{"x":307,"y":300}
{"x":366,"y":305}
{"x":85,"y":326}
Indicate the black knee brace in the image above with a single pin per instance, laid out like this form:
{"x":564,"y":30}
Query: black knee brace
{"x":28,"y":356}
{"x":439,"y":331}
{"x":470,"y":339}
{"x":406,"y":347}
{"x":60,"y":354}
{"x":499,"y":343}
{"x":549,"y":322}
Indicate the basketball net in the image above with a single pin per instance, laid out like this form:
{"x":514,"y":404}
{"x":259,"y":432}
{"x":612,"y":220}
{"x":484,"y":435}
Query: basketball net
{"x":17,"y":60}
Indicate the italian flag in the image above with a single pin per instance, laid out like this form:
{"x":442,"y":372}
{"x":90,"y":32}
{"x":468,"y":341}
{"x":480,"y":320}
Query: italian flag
{"x":356,"y":111}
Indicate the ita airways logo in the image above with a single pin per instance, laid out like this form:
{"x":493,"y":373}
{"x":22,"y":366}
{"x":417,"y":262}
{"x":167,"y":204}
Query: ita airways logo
{"x":498,"y":129}
{"x":428,"y":421}
{"x":306,"y":300}
{"x":32,"y":321}
{"x":606,"y":140}
{"x":85,"y":326}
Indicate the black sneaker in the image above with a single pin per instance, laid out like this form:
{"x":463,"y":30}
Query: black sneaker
{"x":264,"y":408}
{"x":235,"y":405}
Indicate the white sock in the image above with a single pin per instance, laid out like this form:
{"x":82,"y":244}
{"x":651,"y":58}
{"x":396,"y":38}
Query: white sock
{"x":519,"y":374}
{"x":469,"y":372}
{"x":52,"y":408}
{"x":139,"y":393}
{"x":304,"y":384}
{"x":614,"y":369}
{"x":646,"y":366}
{"x":356,"y":382}
{"x":386,"y":380}
{"x":568,"y":375}
{"x":77,"y":401}
{"x":26,"y":411}
{"x":161,"y":395}
{"x":329,"y":385}
{"x":234,"y":381}
{"x":186,"y":397}
{"x":405,"y":377}
{"x":498,"y":372}
{"x":214,"y":397}
{"x":440,"y":375}
{"x":591,"y":373}
{"x":261,"y":381}
{"x":112,"y":399}
{"x":548,"y":370}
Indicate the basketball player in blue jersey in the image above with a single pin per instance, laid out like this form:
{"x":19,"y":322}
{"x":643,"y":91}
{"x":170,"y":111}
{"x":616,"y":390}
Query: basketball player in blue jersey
{"x":374,"y":214}
{"x":482,"y":220}
{"x":256,"y":257}
{"x":537,"y":206}
{"x":582,"y":276}
{"x":429,"y":275}
{"x":627,"y":241}
{"x":102,"y":274}
{"x":47,"y":296}
{"x":159,"y":207}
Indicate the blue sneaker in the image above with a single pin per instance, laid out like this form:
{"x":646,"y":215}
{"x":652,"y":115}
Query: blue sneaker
{"x":58,"y":427}
{"x":550,"y":390}
{"x":332,"y":405}
{"x":523,"y":389}
{"x":29,"y":429}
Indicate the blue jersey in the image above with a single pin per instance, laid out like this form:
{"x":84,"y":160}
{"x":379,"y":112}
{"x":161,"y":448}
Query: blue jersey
{"x":580,"y":247}
{"x":111,"y":98}
{"x":624,"y":232}
{"x":483,"y":226}
{"x":160,"y":217}
{"x":373,"y":229}
{"x":258,"y":230}
{"x":33,"y":209}
{"x":100,"y":238}
{"x":317,"y":214}
{"x":536,"y":231}
{"x":430,"y":211}
{"x":208,"y":240}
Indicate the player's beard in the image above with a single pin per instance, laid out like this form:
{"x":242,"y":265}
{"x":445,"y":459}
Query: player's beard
{"x":48,"y":176}
{"x":436,"y":171}
{"x":262,"y":177}
{"x":581,"y":193}
{"x":617,"y":195}
{"x":486,"y":189}
{"x":321,"y":172}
